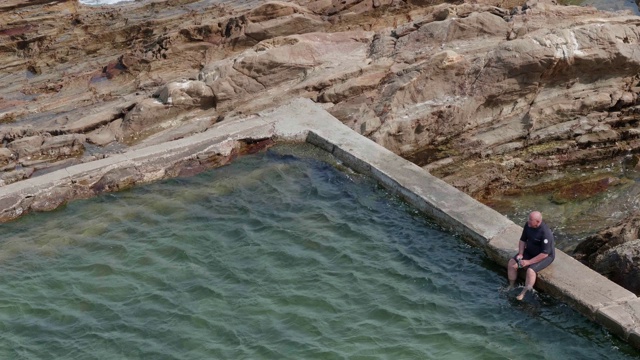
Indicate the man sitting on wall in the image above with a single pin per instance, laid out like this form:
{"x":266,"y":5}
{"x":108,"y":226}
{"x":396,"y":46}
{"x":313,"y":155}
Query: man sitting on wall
{"x":535,"y":252}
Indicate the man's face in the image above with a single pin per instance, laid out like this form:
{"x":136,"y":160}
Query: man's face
{"x":534,"y":222}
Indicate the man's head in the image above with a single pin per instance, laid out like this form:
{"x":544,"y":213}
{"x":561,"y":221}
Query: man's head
{"x":535,"y":219}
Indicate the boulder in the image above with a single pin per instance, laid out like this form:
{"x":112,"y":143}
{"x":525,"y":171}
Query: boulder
{"x":106,"y":134}
{"x":40,"y":148}
{"x":598,"y":137}
{"x":6,"y":156}
{"x":146,"y":117}
{"x":615,"y":252}
{"x":26,"y":146}
{"x":187,"y":94}
{"x":63,"y":146}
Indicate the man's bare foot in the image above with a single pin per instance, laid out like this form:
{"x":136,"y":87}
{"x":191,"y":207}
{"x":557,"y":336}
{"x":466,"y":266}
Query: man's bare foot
{"x":522,"y":294}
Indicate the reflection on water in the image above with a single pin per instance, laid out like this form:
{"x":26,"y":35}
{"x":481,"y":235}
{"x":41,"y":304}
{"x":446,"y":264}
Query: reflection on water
{"x":274,"y":257}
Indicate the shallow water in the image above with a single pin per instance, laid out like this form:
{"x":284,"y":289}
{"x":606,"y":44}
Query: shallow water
{"x":573,"y":221}
{"x":277,"y":256}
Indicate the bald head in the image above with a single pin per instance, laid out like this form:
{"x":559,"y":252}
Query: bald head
{"x":535,"y":219}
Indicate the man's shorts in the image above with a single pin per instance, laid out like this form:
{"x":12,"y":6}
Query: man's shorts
{"x":537,"y":267}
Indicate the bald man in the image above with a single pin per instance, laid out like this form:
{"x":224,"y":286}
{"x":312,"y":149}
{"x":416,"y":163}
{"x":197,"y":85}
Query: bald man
{"x":536,"y":251}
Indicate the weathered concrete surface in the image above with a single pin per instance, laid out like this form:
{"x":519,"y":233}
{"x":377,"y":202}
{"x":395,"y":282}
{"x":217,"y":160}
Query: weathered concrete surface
{"x":583,"y":288}
{"x":622,"y":319}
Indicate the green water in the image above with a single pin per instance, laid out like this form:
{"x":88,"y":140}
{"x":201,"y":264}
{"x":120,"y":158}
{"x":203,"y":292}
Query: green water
{"x":274,"y":257}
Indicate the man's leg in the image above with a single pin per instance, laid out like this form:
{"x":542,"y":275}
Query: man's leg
{"x":528,"y":284}
{"x":512,"y":273}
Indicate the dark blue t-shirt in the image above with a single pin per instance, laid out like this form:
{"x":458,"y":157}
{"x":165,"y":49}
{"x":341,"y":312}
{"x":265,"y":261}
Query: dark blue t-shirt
{"x":538,"y":240}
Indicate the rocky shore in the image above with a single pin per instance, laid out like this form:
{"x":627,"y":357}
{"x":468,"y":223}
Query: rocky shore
{"x":494,"y":98}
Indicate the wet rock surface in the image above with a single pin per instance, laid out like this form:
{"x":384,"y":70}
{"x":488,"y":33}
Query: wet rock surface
{"x":494,"y":98}
{"x":615,"y":253}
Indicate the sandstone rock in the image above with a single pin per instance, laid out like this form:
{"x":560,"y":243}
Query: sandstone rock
{"x":98,"y":117}
{"x":6,"y":156}
{"x":292,"y":24}
{"x":278,"y":18}
{"x":598,"y":137}
{"x":62,"y":146}
{"x":357,"y":113}
{"x":382,"y":46}
{"x":353,"y":88}
{"x":227,"y":83}
{"x":9,"y":177}
{"x":340,"y":7}
{"x":146,"y":117}
{"x":106,"y":134}
{"x":319,"y":6}
{"x":188,"y":94}
{"x":26,"y":146}
{"x":275,"y":9}
{"x":35,"y":149}
{"x":621,"y":265}
{"x":279,"y":64}
{"x":291,"y":63}
{"x":615,"y":252}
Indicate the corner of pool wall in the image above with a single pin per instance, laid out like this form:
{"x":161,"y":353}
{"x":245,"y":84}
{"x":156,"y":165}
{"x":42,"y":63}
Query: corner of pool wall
{"x":446,"y":205}
{"x":589,"y":292}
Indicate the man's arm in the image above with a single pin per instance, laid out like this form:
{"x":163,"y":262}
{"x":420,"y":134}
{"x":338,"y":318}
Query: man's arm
{"x":521,"y":246}
{"x":535,"y":259}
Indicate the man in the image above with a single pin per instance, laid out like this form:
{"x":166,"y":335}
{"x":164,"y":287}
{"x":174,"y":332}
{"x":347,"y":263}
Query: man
{"x":535,"y":252}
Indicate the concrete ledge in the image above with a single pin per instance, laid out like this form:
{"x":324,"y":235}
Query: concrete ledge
{"x":622,"y":319}
{"x":302,"y":120}
{"x":187,"y":156}
{"x":580,"y":286}
{"x":504,"y":245}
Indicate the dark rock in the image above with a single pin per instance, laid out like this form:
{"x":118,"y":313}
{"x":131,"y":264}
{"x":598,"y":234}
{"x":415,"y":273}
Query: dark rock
{"x":615,"y":252}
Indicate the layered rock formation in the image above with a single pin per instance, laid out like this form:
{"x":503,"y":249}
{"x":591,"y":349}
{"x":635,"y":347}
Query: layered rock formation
{"x":491,"y":99}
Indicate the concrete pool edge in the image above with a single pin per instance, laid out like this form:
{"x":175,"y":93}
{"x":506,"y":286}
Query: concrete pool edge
{"x":609,"y":304}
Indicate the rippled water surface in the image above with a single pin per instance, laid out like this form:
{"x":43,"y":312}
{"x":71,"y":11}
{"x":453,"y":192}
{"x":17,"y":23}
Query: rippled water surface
{"x":277,"y":256}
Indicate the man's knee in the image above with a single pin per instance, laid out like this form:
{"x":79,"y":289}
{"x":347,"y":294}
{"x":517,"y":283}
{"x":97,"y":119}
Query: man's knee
{"x":512,"y":263}
{"x":530,"y":271}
